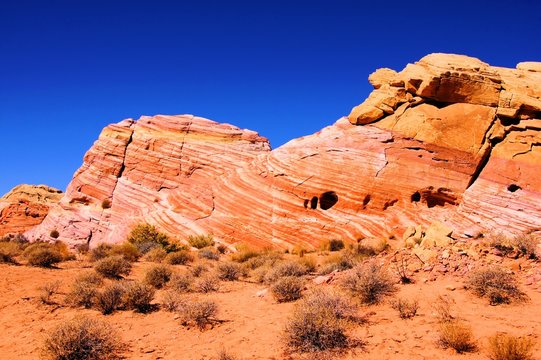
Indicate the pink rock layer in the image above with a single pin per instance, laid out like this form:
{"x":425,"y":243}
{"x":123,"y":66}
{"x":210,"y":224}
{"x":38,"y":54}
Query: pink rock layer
{"x":448,"y":139}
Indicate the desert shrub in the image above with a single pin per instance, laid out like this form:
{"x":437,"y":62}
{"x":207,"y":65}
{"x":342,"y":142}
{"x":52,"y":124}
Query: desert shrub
{"x":138,"y":297}
{"x":442,"y":308}
{"x":47,"y":290}
{"x":84,"y":290}
{"x":207,"y":283}
{"x":319,"y":323}
{"x":309,"y":263}
{"x":182,"y":282}
{"x":111,"y":298}
{"x":288,"y":288}
{"x":208,"y":253}
{"x":146,"y":237}
{"x":158,"y":275}
{"x":8,"y":252}
{"x":127,"y":250}
{"x":332,"y":245}
{"x":54,"y":234}
{"x":42,"y":254}
{"x":526,"y":244}
{"x":372,"y":248}
{"x":264,"y":258}
{"x":406,"y":308}
{"x":181,"y":257}
{"x":222,"y":249}
{"x":456,"y":335}
{"x":341,"y":261}
{"x":156,"y":255}
{"x":401,"y":270}
{"x":285,"y":268}
{"x":369,"y":282}
{"x":507,"y":347}
{"x":198,"y":312}
{"x":223,"y":354}
{"x":198,"y":269}
{"x":113,"y":267}
{"x":82,"y":249}
{"x":106,"y":204}
{"x":101,"y":251}
{"x":82,"y":338}
{"x":172,"y":301}
{"x":496,"y":285}
{"x":229,"y":271}
{"x":244,"y":253}
{"x":201,"y":241}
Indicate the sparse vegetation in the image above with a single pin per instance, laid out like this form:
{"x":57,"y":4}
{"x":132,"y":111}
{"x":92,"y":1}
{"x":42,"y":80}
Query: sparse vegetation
{"x":406,"y":308}
{"x":43,"y":254}
{"x":371,"y":247}
{"x":172,"y":300}
{"x":285,"y":268}
{"x":288,"y":288}
{"x":442,"y":308}
{"x":156,"y":255}
{"x":127,"y":250}
{"x":82,"y":338}
{"x":198,"y":312}
{"x":208,"y":253}
{"x":47,"y":290}
{"x":495,"y":284}
{"x":158,"y":275}
{"x":181,"y":257}
{"x":207,"y":283}
{"x":181,"y":282}
{"x":456,"y":335}
{"x":508,"y":347}
{"x":84,"y":290}
{"x":229,"y":271}
{"x":369,"y":282}
{"x":332,"y":245}
{"x":198,"y":269}
{"x":111,"y":298}
{"x":401,"y":269}
{"x":201,"y":241}
{"x":526,"y":244}
{"x":8,"y":251}
{"x":344,"y":260}
{"x":244,"y":253}
{"x":113,"y":267}
{"x":319,"y":323}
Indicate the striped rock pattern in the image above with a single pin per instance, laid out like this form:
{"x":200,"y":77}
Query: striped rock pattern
{"x":448,"y":139}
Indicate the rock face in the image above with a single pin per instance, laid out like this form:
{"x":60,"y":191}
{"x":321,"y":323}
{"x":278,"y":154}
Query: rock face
{"x":25,"y":206}
{"x":448,"y":139}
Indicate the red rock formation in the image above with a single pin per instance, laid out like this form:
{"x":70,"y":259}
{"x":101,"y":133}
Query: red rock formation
{"x":448,"y":139}
{"x":25,"y":206}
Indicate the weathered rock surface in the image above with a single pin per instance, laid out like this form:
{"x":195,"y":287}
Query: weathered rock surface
{"x":25,"y":206}
{"x":449,"y":139}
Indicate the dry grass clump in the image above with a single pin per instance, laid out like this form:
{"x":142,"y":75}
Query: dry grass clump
{"x":508,"y":347}
{"x":111,"y":298}
{"x":244,"y":253}
{"x":127,"y":250}
{"x":495,"y":284}
{"x":84,"y":290}
{"x":198,"y":312}
{"x":332,"y":245}
{"x":82,"y":338}
{"x":406,"y":308}
{"x":288,"y":288}
{"x":47,"y":290}
{"x":371,"y":247}
{"x":113,"y":267}
{"x":156,"y":255}
{"x":369,"y":282}
{"x":181,"y":257}
{"x":319,"y":323}
{"x":199,"y":269}
{"x":208,"y":253}
{"x":442,"y":308}
{"x":229,"y":271}
{"x":8,"y":252}
{"x":285,"y":268}
{"x":172,"y":300}
{"x":158,"y":275}
{"x":44,"y":254}
{"x":182,"y":282}
{"x":225,"y":355}
{"x":201,"y":241}
{"x":457,"y":336}
{"x":207,"y":283}
{"x":344,"y":260}
{"x":526,"y":244}
{"x":138,"y":297}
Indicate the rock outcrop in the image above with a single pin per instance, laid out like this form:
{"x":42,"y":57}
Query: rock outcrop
{"x":25,"y":206}
{"x":449,"y":139}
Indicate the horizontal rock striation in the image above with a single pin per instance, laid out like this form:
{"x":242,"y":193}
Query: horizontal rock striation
{"x":25,"y":206}
{"x":448,"y":139}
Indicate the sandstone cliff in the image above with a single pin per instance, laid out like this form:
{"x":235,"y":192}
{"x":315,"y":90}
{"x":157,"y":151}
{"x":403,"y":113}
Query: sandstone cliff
{"x":25,"y":206}
{"x":448,"y":139}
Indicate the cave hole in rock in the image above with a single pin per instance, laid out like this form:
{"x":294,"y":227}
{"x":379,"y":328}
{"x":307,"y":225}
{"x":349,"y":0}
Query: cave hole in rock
{"x":513,"y":188}
{"x":416,"y":197}
{"x":327,"y":200}
{"x":313,"y":203}
{"x":505,"y":121}
{"x":306,"y":202}
{"x":367,"y":199}
{"x":438,"y":104}
{"x":389,"y":203}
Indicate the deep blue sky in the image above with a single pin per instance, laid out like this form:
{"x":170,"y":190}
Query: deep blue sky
{"x":282,"y":68}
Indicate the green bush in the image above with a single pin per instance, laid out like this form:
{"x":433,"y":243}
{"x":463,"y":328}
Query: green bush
{"x":82,"y":338}
{"x":201,"y":241}
{"x":113,"y":267}
{"x":146,"y":237}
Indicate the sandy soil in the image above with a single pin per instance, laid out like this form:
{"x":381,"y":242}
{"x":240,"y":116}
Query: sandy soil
{"x":252,"y":326}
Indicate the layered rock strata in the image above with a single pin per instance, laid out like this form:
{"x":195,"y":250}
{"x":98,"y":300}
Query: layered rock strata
{"x":448,"y":139}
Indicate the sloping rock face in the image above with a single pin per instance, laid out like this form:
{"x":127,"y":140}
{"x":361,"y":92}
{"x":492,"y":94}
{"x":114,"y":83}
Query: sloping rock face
{"x":448,"y":139}
{"x":25,"y":206}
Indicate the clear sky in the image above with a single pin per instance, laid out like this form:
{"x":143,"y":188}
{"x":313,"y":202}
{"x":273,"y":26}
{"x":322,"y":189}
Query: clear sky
{"x":283,"y":68}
